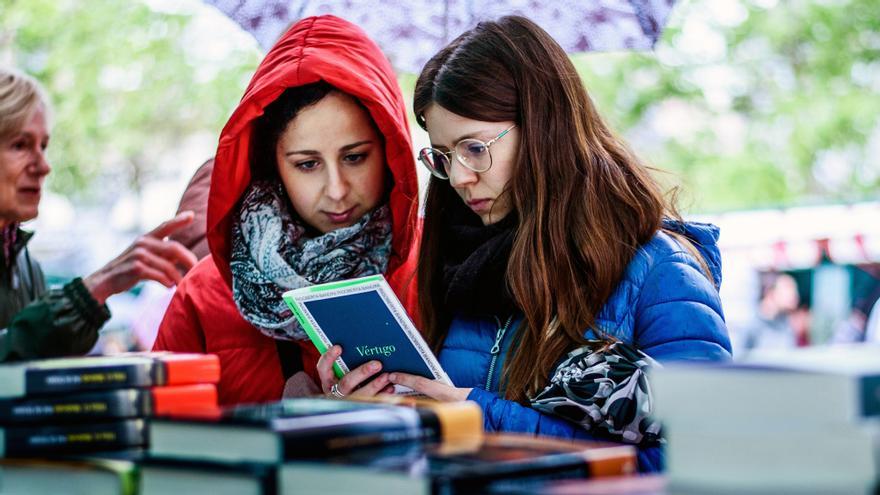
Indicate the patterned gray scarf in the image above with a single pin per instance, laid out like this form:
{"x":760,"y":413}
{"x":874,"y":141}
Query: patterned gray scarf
{"x":606,"y":391}
{"x":271,"y":254}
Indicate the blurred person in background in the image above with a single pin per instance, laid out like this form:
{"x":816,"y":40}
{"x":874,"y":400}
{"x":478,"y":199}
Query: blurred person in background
{"x":855,"y":327}
{"x":772,"y":325}
{"x":37,"y":322}
{"x":852,"y":328}
{"x":872,"y":319}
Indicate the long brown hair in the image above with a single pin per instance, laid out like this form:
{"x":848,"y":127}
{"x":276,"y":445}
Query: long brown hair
{"x":583,"y":201}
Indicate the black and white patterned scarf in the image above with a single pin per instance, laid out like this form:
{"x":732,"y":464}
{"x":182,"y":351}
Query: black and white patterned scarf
{"x":605,"y":390}
{"x":272,"y":254}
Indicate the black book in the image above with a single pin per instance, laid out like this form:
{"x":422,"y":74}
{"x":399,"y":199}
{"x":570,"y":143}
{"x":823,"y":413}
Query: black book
{"x":178,"y":400}
{"x":414,"y":468}
{"x":32,"y":441}
{"x":136,"y":370}
{"x":296,"y":428}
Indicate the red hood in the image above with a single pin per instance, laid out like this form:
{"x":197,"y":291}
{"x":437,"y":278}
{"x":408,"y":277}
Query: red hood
{"x":334,"y":50}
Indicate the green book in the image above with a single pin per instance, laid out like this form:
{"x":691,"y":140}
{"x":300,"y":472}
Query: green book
{"x":364,"y":316}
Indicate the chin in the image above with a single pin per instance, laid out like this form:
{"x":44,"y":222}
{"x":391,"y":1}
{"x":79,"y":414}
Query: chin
{"x":27,"y":216}
{"x":490,"y":218}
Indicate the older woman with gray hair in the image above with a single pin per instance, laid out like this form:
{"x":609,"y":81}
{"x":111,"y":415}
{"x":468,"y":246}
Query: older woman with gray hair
{"x":36,"y":322}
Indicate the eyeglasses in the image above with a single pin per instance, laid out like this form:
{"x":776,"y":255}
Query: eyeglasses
{"x":473,"y":154}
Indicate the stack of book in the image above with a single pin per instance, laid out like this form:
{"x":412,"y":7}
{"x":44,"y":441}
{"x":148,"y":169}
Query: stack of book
{"x":490,"y":465}
{"x":329,"y":446}
{"x":246,"y":446}
{"x":792,"y":421}
{"x":85,"y":419}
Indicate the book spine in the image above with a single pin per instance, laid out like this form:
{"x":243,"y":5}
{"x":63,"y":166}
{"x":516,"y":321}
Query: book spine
{"x":53,"y":381}
{"x":185,"y":369}
{"x":489,"y":481}
{"x":67,"y":408}
{"x":198,"y":400}
{"x":30,"y":441}
{"x":320,"y":343}
{"x":310,"y":435}
{"x":457,"y":422}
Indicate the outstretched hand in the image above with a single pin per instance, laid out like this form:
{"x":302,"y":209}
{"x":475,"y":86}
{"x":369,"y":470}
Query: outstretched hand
{"x":150,"y":257}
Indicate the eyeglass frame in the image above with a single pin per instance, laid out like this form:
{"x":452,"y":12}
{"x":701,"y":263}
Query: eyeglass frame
{"x":447,"y":154}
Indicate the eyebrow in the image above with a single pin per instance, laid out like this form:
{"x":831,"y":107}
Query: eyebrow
{"x":347,"y":147}
{"x":30,"y":135}
{"x":470,"y":135}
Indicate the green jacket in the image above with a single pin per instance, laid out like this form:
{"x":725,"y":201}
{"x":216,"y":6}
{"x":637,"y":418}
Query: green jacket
{"x":36,"y":322}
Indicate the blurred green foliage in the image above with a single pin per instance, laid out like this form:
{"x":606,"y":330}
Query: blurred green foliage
{"x":124,"y":87}
{"x":749,"y":103}
{"x":783,"y":110}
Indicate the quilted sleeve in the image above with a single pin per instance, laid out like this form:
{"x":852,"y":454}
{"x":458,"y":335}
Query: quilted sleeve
{"x":678,"y":315}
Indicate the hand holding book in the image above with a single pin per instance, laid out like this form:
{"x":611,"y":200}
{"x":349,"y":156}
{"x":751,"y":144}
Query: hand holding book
{"x":362,"y":381}
{"x":431,"y":388}
{"x":361,"y":329}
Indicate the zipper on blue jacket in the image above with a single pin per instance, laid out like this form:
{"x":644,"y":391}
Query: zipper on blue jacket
{"x":496,"y":349}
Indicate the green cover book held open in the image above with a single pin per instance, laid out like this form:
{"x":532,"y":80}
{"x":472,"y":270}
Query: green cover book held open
{"x":364,"y":317}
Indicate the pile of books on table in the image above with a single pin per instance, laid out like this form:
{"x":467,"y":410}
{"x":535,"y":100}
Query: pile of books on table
{"x":307,"y":445}
{"x":70,"y":425}
{"x":317,"y":445}
{"x":787,"y":421}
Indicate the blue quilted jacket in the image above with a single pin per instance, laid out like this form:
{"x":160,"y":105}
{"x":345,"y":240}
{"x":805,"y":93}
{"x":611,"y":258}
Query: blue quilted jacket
{"x":664,"y":305}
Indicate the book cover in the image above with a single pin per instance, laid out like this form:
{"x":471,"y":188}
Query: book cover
{"x":428,"y":469}
{"x":29,"y":441}
{"x":94,"y":476}
{"x":306,"y":427}
{"x":174,"y":400}
{"x":365,"y":317}
{"x":136,"y":370}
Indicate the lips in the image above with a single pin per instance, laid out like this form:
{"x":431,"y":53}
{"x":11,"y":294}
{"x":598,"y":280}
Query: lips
{"x":340,"y":217}
{"x":30,"y":191}
{"x":479,"y":205}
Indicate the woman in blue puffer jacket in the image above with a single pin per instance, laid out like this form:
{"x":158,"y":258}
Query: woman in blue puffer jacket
{"x":552,"y":270}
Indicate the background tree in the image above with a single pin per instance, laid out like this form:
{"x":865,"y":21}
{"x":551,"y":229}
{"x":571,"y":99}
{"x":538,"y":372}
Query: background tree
{"x":751,"y":103}
{"x":129,"y":84}
{"x":754,"y":103}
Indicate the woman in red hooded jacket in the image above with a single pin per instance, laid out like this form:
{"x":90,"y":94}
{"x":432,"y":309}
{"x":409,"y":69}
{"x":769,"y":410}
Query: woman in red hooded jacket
{"x":313,"y":181}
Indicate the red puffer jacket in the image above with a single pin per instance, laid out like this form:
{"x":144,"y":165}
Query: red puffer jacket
{"x":202,"y":316}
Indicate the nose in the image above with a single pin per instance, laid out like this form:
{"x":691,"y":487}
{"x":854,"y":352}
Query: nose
{"x":460,"y":176}
{"x":40,"y":165}
{"x":338,"y":184}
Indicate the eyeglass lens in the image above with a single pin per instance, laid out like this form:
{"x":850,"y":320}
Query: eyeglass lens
{"x":472,"y":153}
